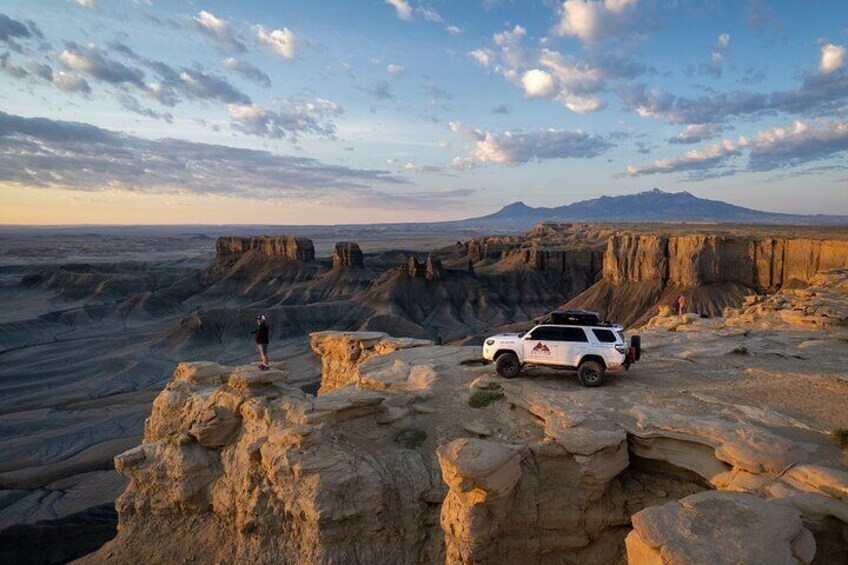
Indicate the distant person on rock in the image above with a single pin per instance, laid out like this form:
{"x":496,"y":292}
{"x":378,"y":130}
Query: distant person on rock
{"x":260,"y":334}
{"x":681,"y":305}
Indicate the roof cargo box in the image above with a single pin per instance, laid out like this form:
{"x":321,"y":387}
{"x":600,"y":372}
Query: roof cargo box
{"x":575,"y":318}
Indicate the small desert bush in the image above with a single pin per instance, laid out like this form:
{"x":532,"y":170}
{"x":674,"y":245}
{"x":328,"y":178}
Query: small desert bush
{"x":483,"y":398}
{"x":840,"y":438}
{"x":741,"y":350}
{"x":411,"y":437}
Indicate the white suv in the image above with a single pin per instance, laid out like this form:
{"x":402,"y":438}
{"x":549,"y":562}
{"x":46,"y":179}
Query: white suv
{"x":567,"y":340}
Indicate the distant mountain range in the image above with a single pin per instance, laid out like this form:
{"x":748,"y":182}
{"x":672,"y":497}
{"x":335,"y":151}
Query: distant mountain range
{"x":650,"y":206}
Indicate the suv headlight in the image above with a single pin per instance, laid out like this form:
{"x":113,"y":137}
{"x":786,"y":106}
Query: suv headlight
{"x":490,"y":342}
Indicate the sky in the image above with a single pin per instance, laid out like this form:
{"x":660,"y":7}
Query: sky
{"x":359,"y":111}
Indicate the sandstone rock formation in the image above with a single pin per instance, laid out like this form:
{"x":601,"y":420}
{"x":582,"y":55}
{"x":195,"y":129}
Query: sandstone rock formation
{"x":347,"y":254}
{"x":343,"y":352}
{"x":693,"y":260}
{"x":823,"y":304}
{"x":390,"y":463}
{"x":643,"y":271}
{"x":719,"y":527}
{"x":284,"y":247}
{"x":432,"y":268}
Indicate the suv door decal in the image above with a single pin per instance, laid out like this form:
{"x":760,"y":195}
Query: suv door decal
{"x":541,"y":346}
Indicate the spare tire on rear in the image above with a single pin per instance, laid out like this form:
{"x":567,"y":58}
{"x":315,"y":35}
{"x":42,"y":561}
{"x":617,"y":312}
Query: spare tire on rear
{"x":508,"y":365}
{"x":636,"y":347}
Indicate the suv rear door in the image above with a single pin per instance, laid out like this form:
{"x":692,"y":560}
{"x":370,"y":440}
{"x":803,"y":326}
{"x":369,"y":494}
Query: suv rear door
{"x":573,"y":345}
{"x":542,"y":346}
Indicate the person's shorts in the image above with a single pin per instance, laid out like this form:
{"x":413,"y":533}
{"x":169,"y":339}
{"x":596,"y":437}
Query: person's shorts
{"x":263,"y":348}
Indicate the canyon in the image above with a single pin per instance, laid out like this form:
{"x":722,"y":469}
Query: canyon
{"x":88,"y":345}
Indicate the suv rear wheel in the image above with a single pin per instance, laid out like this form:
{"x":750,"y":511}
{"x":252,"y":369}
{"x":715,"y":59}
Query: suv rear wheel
{"x":591,"y":373}
{"x":507,"y":365}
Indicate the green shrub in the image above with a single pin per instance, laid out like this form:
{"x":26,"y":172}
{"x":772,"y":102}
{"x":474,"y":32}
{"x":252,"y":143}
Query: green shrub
{"x":741,"y":350}
{"x":411,"y":437}
{"x":840,"y":438}
{"x":483,"y":398}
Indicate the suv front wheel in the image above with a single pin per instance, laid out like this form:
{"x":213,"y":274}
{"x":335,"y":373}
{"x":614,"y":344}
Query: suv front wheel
{"x":591,"y":373}
{"x":508,"y":365}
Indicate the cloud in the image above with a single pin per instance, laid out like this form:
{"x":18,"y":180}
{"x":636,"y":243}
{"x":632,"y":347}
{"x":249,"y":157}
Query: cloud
{"x":380,"y":90}
{"x":13,"y":31}
{"x":39,"y":71}
{"x":484,"y":57}
{"x":219,"y":31}
{"x":246,"y":70}
{"x":545,"y":73}
{"x":436,"y":92}
{"x":402,"y":8}
{"x":93,"y":62}
{"x":428,"y":14}
{"x":395,"y":69}
{"x":594,"y":21}
{"x":281,"y":41}
{"x":133,"y":105}
{"x":516,"y":146}
{"x":511,"y":49}
{"x":453,"y":30}
{"x":769,"y":149}
{"x":86,"y":3}
{"x":719,"y":54}
{"x":695,"y":133}
{"x":576,"y":84}
{"x":410,"y":167}
{"x":294,"y":118}
{"x":832,"y":57}
{"x":172,"y":84}
{"x":501,"y":109}
{"x":797,"y":144}
{"x":696,"y":159}
{"x":44,"y":153}
{"x":197,"y":84}
{"x":818,"y":93}
{"x":538,"y":84}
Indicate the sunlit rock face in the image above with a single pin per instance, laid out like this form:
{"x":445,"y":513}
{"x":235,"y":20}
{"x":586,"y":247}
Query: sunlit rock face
{"x":347,"y":254}
{"x":692,"y":260}
{"x":642,"y":272}
{"x":720,"y":527}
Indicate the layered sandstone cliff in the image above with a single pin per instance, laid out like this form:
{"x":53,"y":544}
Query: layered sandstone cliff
{"x":284,"y":247}
{"x":568,"y":250}
{"x":696,"y":260}
{"x":644,"y":271}
{"x":347,"y":254}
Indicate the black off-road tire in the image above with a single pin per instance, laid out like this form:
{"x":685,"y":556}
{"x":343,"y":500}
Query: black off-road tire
{"x":591,"y":373}
{"x":507,"y":365}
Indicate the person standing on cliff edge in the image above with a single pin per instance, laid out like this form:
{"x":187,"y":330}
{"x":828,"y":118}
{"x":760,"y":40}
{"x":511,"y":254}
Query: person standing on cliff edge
{"x":681,"y":305}
{"x":260,"y":335}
